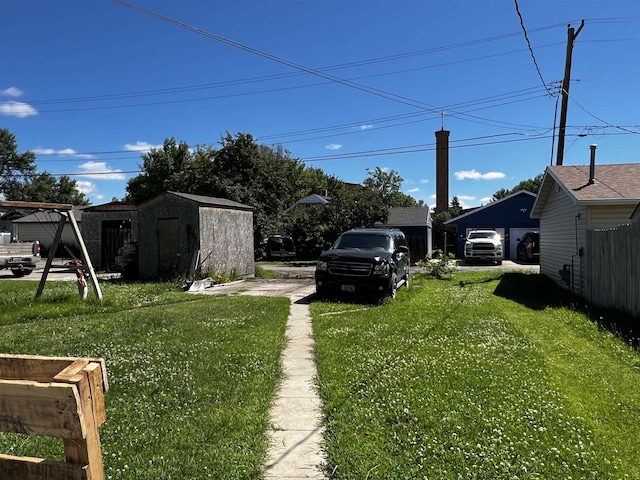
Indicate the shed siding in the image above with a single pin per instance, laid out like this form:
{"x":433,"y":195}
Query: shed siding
{"x":562,"y":234}
{"x":148,"y":243}
{"x":226,"y":240}
{"x":91,"y":228}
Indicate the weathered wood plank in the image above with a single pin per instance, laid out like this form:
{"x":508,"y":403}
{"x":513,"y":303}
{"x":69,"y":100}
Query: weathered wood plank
{"x":52,"y":409}
{"x":29,"y":468}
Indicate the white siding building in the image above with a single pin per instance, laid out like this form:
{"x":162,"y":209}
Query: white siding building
{"x":574,"y":199}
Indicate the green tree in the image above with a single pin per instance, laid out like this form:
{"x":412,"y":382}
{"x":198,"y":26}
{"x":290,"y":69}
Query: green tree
{"x":19,"y":182}
{"x":387,"y":185}
{"x":455,"y":207}
{"x":14,"y":166}
{"x":531,"y":185}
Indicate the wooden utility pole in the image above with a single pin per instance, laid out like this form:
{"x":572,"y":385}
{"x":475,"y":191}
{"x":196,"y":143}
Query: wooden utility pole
{"x":565,"y":91}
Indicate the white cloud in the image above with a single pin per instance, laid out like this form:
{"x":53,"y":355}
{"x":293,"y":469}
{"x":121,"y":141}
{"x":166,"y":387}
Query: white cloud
{"x":465,"y":197}
{"x":17,"y":109}
{"x":484,"y":200}
{"x":86,"y":187}
{"x":11,"y":92}
{"x":475,"y":175}
{"x":366,"y":127}
{"x":100,"y":170}
{"x":333,"y":146}
{"x":413,"y":190}
{"x":424,"y":180}
{"x":70,"y":152}
{"x":140,"y":146}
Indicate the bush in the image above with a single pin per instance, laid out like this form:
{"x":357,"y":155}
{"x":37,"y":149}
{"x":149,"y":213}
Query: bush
{"x":439,"y":265}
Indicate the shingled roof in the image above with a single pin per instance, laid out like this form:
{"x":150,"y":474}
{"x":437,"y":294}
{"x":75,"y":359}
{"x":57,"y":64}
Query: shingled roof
{"x":613,"y":184}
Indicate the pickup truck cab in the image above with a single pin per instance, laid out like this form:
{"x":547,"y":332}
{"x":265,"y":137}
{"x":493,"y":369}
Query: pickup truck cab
{"x":19,"y":257}
{"x":483,"y":245}
{"x":370,"y":261}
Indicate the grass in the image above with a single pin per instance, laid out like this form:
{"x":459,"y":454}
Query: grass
{"x":485,"y":377}
{"x":191,"y":377}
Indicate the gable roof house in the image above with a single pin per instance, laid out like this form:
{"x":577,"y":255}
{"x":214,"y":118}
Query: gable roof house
{"x":43,"y":225}
{"x":509,"y":216}
{"x":573,"y":200}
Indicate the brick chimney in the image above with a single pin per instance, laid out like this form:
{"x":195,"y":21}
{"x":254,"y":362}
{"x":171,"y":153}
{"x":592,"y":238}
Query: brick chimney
{"x":442,"y":170}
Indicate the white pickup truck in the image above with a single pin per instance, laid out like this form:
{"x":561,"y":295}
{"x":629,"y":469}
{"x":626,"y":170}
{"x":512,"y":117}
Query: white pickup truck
{"x":483,"y":245}
{"x":19,"y":257}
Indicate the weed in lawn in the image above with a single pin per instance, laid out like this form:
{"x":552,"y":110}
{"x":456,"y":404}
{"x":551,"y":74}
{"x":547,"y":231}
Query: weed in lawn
{"x":191,"y":378}
{"x":448,"y":383}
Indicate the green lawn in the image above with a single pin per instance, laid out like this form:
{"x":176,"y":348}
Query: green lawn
{"x":483,"y":377}
{"x":487,"y":376}
{"x":191,"y":377}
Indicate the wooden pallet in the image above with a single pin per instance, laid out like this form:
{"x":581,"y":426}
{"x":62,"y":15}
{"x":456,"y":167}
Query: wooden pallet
{"x":57,"y":397}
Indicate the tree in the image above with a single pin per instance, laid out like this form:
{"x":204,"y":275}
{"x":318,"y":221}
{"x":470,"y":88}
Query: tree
{"x":19,"y":182}
{"x":455,"y":208}
{"x":531,"y":185}
{"x":13,"y":165}
{"x":387,"y":185}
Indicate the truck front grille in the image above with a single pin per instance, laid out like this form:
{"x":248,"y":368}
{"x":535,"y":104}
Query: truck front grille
{"x":349,"y":268}
{"x":483,"y":247}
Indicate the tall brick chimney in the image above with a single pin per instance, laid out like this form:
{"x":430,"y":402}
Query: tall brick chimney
{"x":442,"y":170}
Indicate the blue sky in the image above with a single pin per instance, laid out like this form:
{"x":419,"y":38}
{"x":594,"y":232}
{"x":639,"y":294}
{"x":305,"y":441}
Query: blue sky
{"x":345,"y":85}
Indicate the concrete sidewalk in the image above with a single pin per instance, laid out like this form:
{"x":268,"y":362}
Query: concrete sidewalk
{"x":296,"y":435}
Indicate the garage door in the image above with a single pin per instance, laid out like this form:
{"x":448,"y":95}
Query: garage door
{"x":514,"y":235}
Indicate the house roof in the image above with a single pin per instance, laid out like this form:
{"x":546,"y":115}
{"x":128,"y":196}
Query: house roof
{"x":212,"y":201}
{"x":408,"y":217}
{"x":314,"y":199}
{"x":50,"y":216}
{"x":614,"y":184}
{"x":489,"y":205}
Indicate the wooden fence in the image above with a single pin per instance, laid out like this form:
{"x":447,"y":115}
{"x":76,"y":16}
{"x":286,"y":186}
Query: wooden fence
{"x":613,"y":268}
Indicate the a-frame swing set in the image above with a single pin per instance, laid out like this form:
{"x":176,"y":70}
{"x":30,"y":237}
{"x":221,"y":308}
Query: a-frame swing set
{"x":66,"y":214}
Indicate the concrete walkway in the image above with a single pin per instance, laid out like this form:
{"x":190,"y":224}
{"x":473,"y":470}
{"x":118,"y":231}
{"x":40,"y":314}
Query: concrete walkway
{"x":296,"y":435}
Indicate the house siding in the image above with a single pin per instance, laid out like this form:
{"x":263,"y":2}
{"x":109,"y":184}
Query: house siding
{"x":562,"y":234}
{"x":609,"y":216}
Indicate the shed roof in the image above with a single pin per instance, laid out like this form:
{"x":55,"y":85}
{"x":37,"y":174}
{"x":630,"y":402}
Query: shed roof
{"x":490,"y":205}
{"x":211,"y":201}
{"x":408,"y":217}
{"x":614,"y":184}
{"x":115,"y":206}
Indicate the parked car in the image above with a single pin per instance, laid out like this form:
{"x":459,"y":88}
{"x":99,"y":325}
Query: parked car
{"x":483,"y":245}
{"x":528,"y":248}
{"x":281,"y":247}
{"x":374,"y":262}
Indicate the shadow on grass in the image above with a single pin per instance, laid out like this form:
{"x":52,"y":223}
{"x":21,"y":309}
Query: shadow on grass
{"x":537,"y":292}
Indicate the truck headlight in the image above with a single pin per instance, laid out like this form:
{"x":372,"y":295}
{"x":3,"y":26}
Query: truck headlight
{"x":321,"y":266}
{"x":380,"y":269}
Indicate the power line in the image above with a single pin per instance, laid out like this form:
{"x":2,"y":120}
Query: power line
{"x":526,"y":36}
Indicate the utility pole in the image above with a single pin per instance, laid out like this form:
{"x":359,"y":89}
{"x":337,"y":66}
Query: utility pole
{"x":565,"y":91}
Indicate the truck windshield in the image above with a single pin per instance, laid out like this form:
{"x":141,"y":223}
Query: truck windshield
{"x":364,"y":241}
{"x":481,"y":235}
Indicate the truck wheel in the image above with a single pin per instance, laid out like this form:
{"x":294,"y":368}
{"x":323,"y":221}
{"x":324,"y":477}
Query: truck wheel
{"x":393,"y":289}
{"x":20,"y":273}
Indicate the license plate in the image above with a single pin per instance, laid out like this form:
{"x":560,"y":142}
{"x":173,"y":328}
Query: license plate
{"x":348,"y":288}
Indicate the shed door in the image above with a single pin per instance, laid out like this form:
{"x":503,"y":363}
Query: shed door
{"x":168,"y":247}
{"x":114,"y":234}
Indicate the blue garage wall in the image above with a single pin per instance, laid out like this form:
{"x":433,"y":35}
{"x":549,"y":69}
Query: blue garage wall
{"x":510,"y":212}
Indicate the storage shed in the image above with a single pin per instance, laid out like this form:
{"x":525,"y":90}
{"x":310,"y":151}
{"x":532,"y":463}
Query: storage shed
{"x":181,"y":232}
{"x":105,"y":229}
{"x":509,"y":216}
